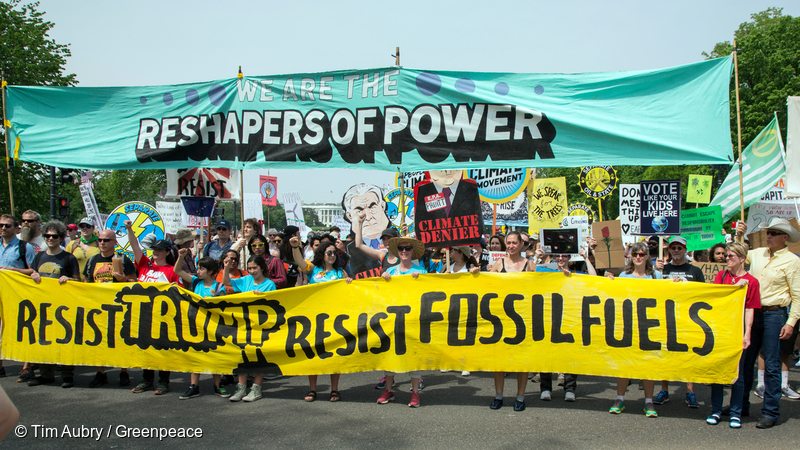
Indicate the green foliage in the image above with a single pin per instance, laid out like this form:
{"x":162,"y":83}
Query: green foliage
{"x":112,"y":188}
{"x":28,"y":56}
{"x":276,"y":216}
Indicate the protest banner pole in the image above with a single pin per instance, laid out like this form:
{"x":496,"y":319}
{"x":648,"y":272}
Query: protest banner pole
{"x":494,"y":219}
{"x":402,"y":198}
{"x":3,"y":84}
{"x":738,"y":133}
{"x":240,"y":75}
{"x":600,"y":209}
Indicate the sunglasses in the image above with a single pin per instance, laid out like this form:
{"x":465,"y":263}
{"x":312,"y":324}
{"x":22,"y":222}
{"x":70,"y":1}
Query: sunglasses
{"x":731,"y":255}
{"x":775,"y":233}
{"x":222,"y":229}
{"x":404,"y":248}
{"x":330,"y":253}
{"x":640,"y":255}
{"x":51,"y":236}
{"x":29,"y":220}
{"x":83,"y":226}
{"x":278,"y":241}
{"x":676,"y":248}
{"x":6,"y":225}
{"x":104,"y":240}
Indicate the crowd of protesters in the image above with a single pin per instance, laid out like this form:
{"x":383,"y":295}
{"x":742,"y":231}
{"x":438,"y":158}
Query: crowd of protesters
{"x":260,"y":262}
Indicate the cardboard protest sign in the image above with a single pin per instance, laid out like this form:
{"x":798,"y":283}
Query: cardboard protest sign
{"x":609,"y":253}
{"x":660,"y":207}
{"x":203,"y":182}
{"x":447,"y":210}
{"x":699,"y":190}
{"x":702,"y":227}
{"x":559,"y":241}
{"x":761,"y":213}
{"x":268,"y":188}
{"x":692,"y":331}
{"x":547,"y":203}
{"x":710,"y":270}
{"x":171,"y":215}
{"x":145,"y":220}
{"x":499,"y":185}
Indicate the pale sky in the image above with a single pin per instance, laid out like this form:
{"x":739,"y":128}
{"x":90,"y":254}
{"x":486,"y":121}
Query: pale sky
{"x":146,"y":42}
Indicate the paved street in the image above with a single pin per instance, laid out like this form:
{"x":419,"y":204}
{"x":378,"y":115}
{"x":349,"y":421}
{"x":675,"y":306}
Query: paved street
{"x":455,"y":413}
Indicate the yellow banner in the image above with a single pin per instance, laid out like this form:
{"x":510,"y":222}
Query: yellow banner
{"x":547,"y":203}
{"x":538,"y":322}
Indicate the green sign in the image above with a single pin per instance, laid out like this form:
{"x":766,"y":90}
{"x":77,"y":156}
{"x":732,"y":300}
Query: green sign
{"x":390,"y":118}
{"x":702,"y":227}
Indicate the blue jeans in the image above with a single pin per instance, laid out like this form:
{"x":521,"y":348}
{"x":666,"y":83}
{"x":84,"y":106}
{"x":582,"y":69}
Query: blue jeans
{"x":771,"y":350}
{"x":740,"y":396}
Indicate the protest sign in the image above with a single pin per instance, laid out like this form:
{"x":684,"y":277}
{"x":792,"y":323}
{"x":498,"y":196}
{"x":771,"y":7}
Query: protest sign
{"x":86,"y":190}
{"x":597,"y":182}
{"x":511,"y":213}
{"x":392,"y":199}
{"x":528,"y":322}
{"x":172,"y":215}
{"x":547,"y":203}
{"x":367,"y":200}
{"x":709,"y":269}
{"x":219,"y":183}
{"x":559,"y":241}
{"x":581,"y":223}
{"x":410,"y":179}
{"x":660,"y":207}
{"x":447,"y":210}
{"x":702,"y":227}
{"x":268,"y":188}
{"x":761,"y":213}
{"x":293,"y":206}
{"x":393,"y":118}
{"x":581,"y":209}
{"x":609,"y":253}
{"x":499,"y":185}
{"x":145,"y":220}
{"x":699,"y":190}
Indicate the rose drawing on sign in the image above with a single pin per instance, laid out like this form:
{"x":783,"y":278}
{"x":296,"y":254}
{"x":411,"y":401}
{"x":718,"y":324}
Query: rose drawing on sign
{"x":607,"y":240}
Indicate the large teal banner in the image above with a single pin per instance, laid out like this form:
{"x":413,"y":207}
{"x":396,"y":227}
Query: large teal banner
{"x":390,"y":118}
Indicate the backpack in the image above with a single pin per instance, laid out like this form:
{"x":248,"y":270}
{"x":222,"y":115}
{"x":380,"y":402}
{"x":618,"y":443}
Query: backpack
{"x":23,"y":253}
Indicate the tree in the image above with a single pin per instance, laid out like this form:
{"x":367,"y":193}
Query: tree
{"x":115,"y":187}
{"x":28,"y":56}
{"x":768,"y":52}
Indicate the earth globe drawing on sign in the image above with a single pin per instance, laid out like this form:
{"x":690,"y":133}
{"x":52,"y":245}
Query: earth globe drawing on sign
{"x":659,"y":224}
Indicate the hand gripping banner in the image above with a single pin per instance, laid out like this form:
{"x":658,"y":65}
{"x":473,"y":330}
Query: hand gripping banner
{"x":386,"y":118}
{"x":538,"y":322}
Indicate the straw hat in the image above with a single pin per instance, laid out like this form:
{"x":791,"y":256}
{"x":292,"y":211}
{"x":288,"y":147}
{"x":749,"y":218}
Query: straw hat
{"x":418,"y":246}
{"x":784,"y":226}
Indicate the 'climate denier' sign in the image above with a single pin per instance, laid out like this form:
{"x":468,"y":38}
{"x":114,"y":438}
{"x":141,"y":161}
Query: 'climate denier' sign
{"x":387,"y":118}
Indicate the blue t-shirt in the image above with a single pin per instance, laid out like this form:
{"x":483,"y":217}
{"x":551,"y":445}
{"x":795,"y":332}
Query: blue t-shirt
{"x":318,"y":275}
{"x":416,"y":267}
{"x":247,"y":284}
{"x":656,"y":275}
{"x":9,"y":254}
{"x":202,"y":290}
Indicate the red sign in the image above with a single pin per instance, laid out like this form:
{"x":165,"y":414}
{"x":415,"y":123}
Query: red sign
{"x":268,"y":187}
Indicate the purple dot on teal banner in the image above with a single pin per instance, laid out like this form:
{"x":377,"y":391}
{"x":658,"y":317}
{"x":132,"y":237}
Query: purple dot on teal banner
{"x":143,"y":100}
{"x":501,"y":88}
{"x":428,"y":83}
{"x":168,"y":99}
{"x":465,"y":85}
{"x":216,"y":94}
{"x":538,"y":89}
{"x":192,"y":97}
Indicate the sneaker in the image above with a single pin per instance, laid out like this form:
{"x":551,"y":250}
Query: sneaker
{"x":100,"y":378}
{"x":414,"y":403}
{"x":143,"y":386}
{"x":386,"y":397}
{"x":650,"y":410}
{"x":465,"y":373}
{"x":536,"y":378}
{"x":40,"y":381}
{"x":124,"y":379}
{"x":760,"y":390}
{"x":241,"y":390}
{"x":191,"y":392}
{"x":661,"y":398}
{"x":569,"y":396}
{"x":545,"y":396}
{"x":255,"y":394}
{"x":25,"y":375}
{"x":67,"y":382}
{"x":221,"y":391}
{"x":381,"y":383}
{"x":790,"y":393}
{"x":561,"y":379}
{"x":617,"y":407}
{"x":691,"y":400}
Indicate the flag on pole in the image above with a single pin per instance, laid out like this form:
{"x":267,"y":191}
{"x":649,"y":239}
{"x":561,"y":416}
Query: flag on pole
{"x":762,"y":167}
{"x":793,"y":148}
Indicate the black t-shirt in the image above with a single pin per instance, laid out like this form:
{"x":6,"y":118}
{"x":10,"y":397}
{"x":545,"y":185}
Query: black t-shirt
{"x":99,"y":269}
{"x":56,"y":266}
{"x":686,"y":270}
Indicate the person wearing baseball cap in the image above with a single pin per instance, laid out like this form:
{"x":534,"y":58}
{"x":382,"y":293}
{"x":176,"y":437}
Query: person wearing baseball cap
{"x":216,"y":249}
{"x":85,"y":246}
{"x":184,"y":238}
{"x":778,"y":272}
{"x":680,"y":269}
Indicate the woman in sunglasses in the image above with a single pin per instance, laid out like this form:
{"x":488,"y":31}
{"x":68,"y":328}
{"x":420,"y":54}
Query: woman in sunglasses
{"x":736,"y":255}
{"x":85,"y":246}
{"x":408,"y":250}
{"x":276,"y":271}
{"x":638,"y":266}
{"x":323,"y":268}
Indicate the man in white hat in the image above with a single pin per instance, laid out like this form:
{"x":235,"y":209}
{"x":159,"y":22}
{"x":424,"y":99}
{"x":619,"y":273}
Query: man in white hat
{"x":778,"y":271}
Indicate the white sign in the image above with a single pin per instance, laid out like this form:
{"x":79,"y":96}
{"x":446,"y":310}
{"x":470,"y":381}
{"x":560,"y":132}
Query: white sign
{"x":582,"y":224}
{"x":171,"y":215}
{"x":293,"y":206}
{"x":761,"y":213}
{"x":203,"y":182}
{"x":629,"y":210}
{"x":90,"y":204}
